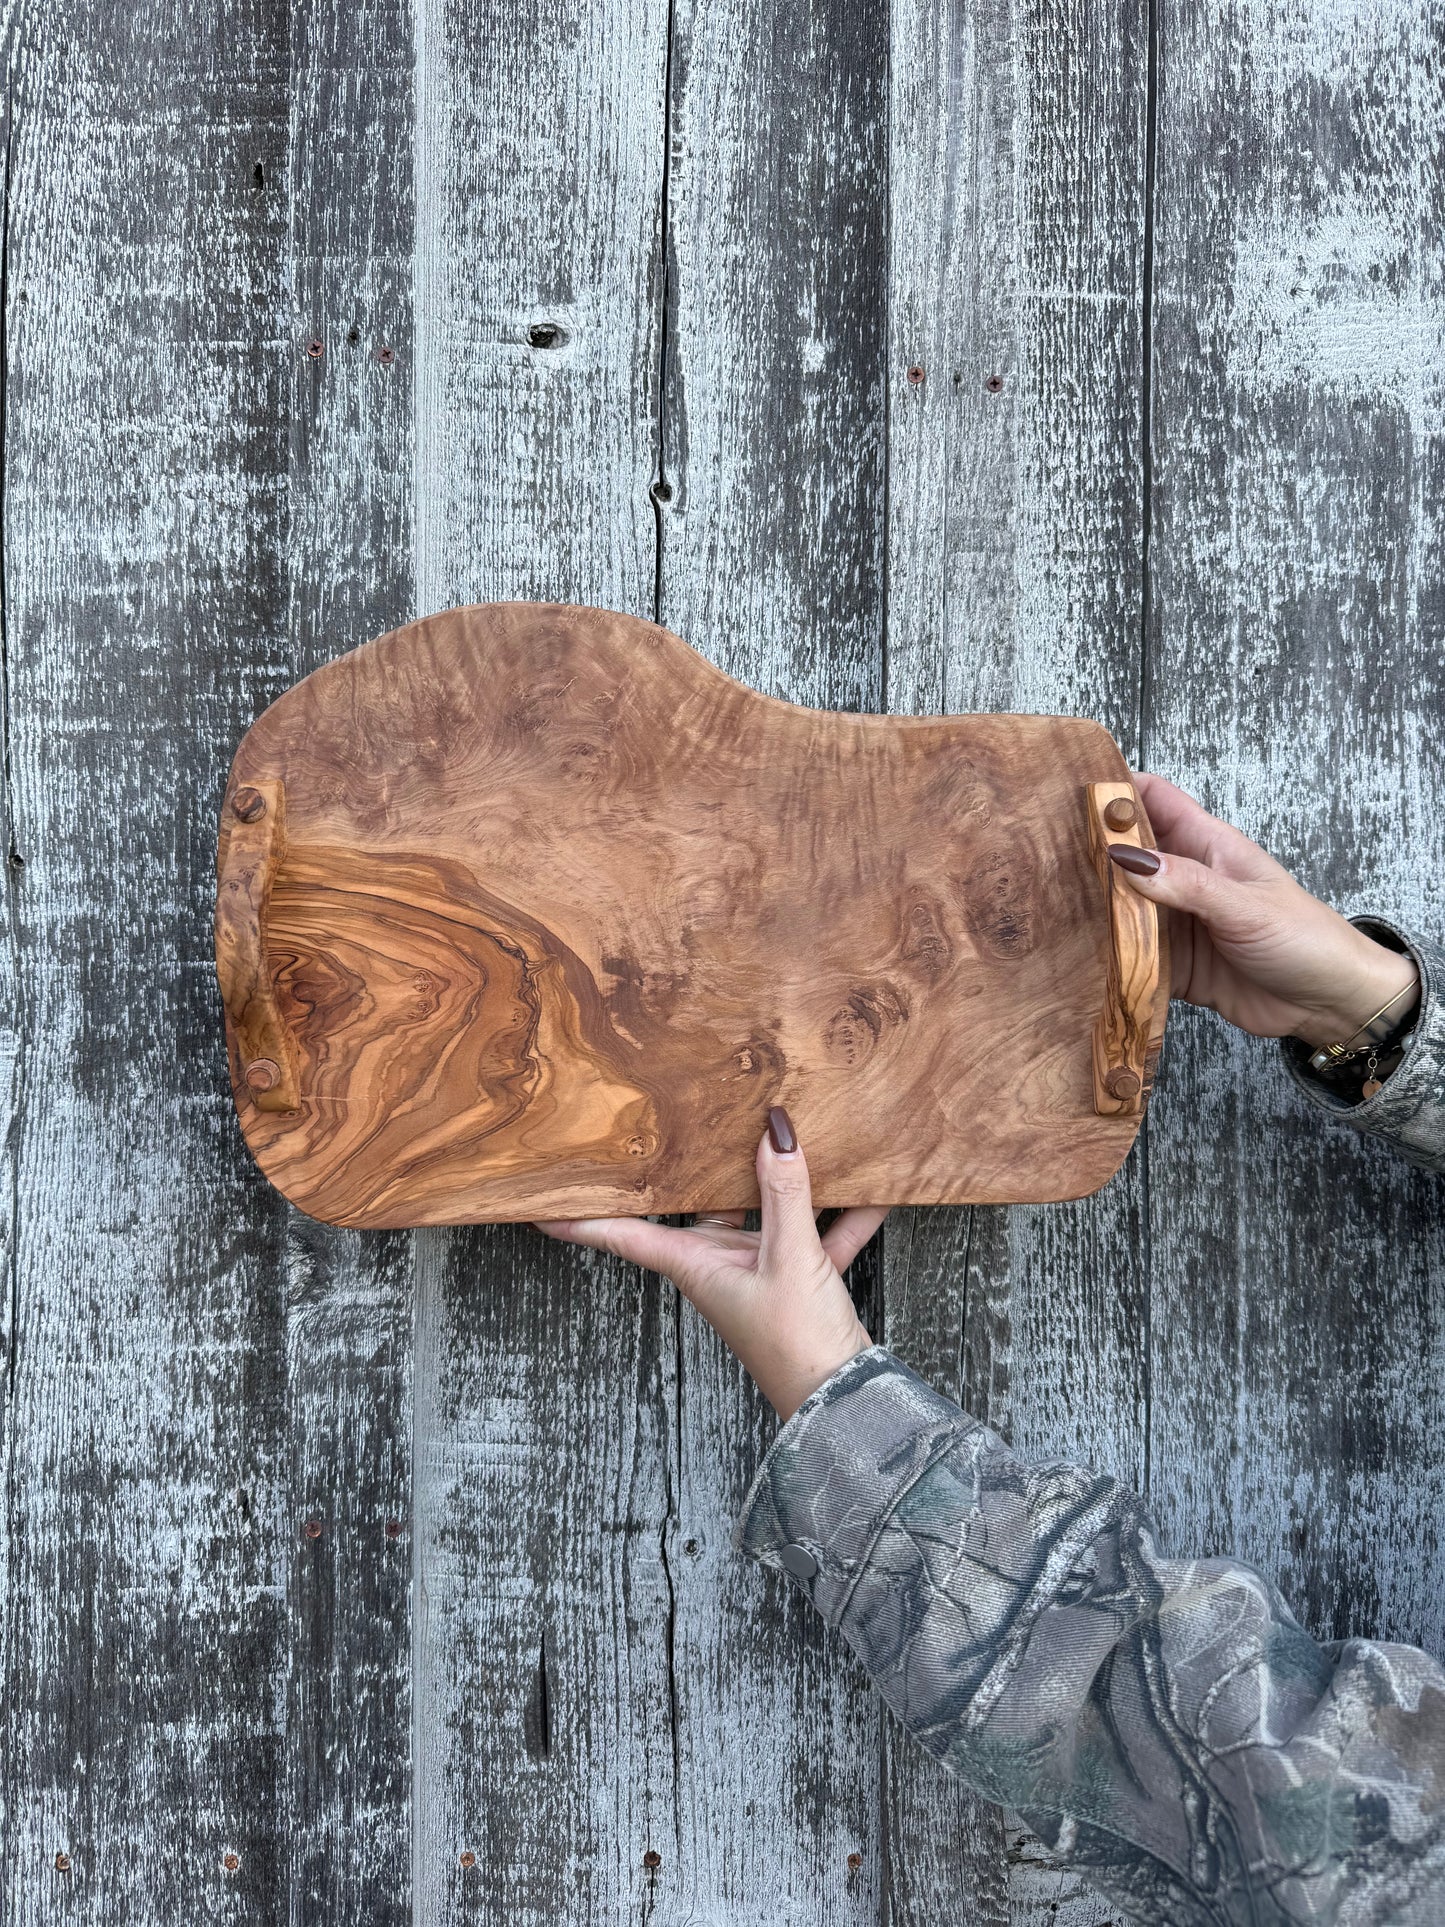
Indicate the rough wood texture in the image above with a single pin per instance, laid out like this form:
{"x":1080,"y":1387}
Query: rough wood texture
{"x":1297,"y":645}
{"x":526,"y":911}
{"x":1017,"y":175}
{"x":346,"y":177}
{"x":145,"y":1626}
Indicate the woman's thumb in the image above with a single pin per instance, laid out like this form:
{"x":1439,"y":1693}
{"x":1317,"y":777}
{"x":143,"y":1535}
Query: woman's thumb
{"x":789,"y":1227}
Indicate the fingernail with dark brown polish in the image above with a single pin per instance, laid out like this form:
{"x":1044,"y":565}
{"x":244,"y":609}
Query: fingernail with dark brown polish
{"x":780,"y":1130}
{"x":1139,"y":863}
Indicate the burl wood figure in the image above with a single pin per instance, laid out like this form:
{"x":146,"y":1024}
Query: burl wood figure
{"x":528,"y":911}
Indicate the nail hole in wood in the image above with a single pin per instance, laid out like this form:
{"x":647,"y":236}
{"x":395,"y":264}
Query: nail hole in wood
{"x":546,"y":334}
{"x":661,"y":492}
{"x":260,"y":175}
{"x":62,"y":1863}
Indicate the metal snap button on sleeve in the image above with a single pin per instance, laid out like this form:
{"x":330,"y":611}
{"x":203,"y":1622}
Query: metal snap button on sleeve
{"x":799,"y":1561}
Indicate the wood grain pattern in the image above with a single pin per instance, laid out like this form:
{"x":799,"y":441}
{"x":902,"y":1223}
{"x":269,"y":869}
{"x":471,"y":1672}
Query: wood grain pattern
{"x":1128,"y":1034}
{"x":563,"y":911}
{"x":255,"y":846}
{"x":145,"y":1634}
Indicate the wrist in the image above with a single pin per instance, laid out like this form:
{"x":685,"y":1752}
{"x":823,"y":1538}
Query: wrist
{"x":785,"y":1391}
{"x":1378,"y":980}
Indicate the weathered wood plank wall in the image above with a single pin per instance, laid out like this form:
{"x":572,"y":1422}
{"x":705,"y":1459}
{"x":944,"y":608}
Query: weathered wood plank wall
{"x":388,"y":1578}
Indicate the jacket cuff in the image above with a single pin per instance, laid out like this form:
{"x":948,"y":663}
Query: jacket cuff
{"x":838,"y":1470}
{"x":1408,"y":1110}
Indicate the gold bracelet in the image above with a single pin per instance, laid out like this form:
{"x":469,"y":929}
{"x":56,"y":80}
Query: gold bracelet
{"x":1332,"y":1053}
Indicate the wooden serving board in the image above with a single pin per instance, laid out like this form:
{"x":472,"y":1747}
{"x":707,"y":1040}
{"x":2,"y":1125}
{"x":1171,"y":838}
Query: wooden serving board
{"x":528,"y":911}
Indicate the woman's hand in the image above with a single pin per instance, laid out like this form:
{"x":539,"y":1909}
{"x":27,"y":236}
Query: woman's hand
{"x":1247,"y":940}
{"x":775,"y":1297}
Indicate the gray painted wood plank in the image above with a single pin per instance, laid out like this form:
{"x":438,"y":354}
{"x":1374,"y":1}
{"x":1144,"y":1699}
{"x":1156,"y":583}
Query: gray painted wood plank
{"x":1016,"y":195}
{"x":545,"y":1389}
{"x":1297,"y":625}
{"x":771,"y":535}
{"x":348,"y":176}
{"x":145,"y":1620}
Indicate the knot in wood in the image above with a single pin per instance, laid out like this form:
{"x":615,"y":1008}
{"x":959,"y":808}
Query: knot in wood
{"x":262,"y":1074}
{"x":248,"y":804}
{"x":1123,"y":1083}
{"x":1120,"y":813}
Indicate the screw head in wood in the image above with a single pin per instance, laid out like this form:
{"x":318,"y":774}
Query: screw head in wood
{"x":916,"y":374}
{"x":855,"y":1861}
{"x":994,"y":384}
{"x":468,"y":1859}
{"x":312,"y":1528}
{"x":262,"y":1074}
{"x":62,"y":1863}
{"x":316,"y":347}
{"x":248,"y":804}
{"x":1121,"y":813}
{"x":1122,"y":1083}
{"x":230,"y":1861}
{"x":652,"y":1860}
{"x":386,"y":356}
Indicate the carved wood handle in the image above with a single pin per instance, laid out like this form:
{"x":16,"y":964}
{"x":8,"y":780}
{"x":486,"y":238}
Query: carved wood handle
{"x":251,"y":854}
{"x":1129,"y":1031}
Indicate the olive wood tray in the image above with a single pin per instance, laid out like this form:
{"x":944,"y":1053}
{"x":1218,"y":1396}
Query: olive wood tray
{"x":529,"y":911}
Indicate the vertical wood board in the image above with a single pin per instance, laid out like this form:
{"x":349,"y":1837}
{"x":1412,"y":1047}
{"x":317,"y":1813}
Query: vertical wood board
{"x":770,"y":530}
{"x":1017,"y":184}
{"x":1297,"y":686}
{"x":145,"y":1620}
{"x":349,"y":1299}
{"x":543,"y":1389}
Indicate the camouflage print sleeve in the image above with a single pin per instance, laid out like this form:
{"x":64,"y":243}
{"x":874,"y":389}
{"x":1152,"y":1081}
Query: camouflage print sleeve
{"x":1163,"y":1724}
{"x":1408,"y":1110}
